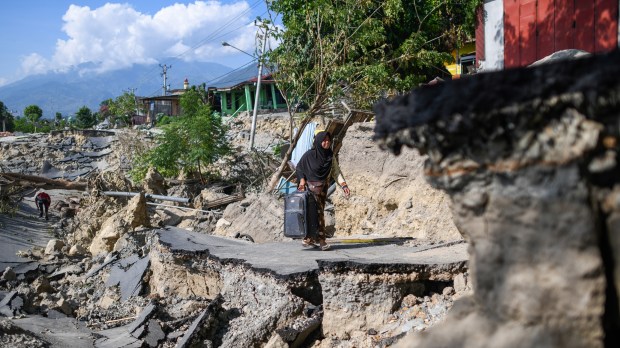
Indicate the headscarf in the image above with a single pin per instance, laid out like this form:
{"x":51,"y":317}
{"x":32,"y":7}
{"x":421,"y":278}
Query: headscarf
{"x":316,"y":163}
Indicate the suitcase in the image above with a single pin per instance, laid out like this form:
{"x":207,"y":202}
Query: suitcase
{"x":300,"y":216}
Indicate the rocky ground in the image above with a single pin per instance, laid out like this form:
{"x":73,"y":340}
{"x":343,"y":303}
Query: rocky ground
{"x":106,"y":279}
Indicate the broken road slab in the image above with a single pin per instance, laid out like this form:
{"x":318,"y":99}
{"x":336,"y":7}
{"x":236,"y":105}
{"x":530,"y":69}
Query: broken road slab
{"x":290,"y":257}
{"x":128,"y":275}
{"x":21,"y":232}
{"x":61,"y":332}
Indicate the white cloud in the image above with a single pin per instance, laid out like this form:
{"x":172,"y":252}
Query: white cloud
{"x":115,"y":36}
{"x":34,"y":64}
{"x":3,"y":81}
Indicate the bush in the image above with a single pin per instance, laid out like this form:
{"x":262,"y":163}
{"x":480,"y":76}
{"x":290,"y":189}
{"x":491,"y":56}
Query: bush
{"x":189,"y":143}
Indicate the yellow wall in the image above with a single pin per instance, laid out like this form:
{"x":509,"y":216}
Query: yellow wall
{"x":455,"y":69}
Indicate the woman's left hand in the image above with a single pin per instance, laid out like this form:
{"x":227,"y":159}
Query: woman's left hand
{"x":347,"y":192}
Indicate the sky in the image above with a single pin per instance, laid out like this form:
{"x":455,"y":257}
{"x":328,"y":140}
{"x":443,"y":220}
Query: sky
{"x":38,"y":36}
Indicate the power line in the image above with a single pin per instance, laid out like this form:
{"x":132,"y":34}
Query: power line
{"x":219,"y":77}
{"x":209,"y":38}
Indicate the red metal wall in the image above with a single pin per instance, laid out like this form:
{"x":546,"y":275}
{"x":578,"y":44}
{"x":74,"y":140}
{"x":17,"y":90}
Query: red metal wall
{"x":533,"y":29}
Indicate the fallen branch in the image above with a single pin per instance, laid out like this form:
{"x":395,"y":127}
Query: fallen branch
{"x":41,"y":182}
{"x":116,"y":320}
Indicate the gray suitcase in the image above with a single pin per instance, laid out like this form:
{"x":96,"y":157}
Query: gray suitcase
{"x":300,"y":215}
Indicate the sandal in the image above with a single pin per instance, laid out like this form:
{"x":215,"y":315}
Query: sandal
{"x":308,"y":243}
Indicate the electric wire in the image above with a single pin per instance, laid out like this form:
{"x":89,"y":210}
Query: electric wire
{"x":209,"y":38}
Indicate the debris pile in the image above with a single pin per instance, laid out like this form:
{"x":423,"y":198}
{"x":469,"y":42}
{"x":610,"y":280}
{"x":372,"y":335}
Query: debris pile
{"x":62,"y":154}
{"x":107,"y":275}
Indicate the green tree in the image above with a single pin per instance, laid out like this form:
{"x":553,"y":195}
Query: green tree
{"x":104,"y":110}
{"x":6,"y":119}
{"x":122,"y":108}
{"x":45,"y":126}
{"x":360,"y":51}
{"x":84,"y":118}
{"x":58,"y":120}
{"x":190,"y":143}
{"x":363,"y":49}
{"x":33,"y":113}
{"x":24,"y":125}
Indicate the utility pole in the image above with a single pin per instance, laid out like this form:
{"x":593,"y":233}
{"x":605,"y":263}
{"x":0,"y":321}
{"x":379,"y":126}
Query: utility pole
{"x":135,"y":100}
{"x":258,"y":79}
{"x":164,"y":74}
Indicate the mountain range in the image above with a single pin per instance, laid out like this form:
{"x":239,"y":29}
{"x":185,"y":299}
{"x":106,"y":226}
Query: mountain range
{"x":67,"y":92}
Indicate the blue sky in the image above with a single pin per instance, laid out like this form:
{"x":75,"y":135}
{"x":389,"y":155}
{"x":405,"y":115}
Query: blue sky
{"x":53,"y":35}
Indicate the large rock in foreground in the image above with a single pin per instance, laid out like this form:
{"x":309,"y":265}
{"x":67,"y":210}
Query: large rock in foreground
{"x":529,"y":158}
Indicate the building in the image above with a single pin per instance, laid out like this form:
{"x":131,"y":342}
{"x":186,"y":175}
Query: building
{"x":513,"y":33}
{"x":236,"y":91}
{"x":168,"y":104}
{"x":464,"y":60}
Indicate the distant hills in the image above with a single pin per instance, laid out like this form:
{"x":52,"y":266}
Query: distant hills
{"x":68,"y":92}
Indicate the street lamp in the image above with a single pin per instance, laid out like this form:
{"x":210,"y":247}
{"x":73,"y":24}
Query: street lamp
{"x":226,"y":44}
{"x":258,"y":80}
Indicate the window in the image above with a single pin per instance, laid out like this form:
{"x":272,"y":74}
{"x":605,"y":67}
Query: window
{"x":163,"y":107}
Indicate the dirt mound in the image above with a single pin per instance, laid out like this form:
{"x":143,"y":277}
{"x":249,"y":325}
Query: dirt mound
{"x":389,"y":198}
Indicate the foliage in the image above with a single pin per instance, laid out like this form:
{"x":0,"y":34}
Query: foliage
{"x":45,"y":126}
{"x":163,"y":119}
{"x":85,"y":118}
{"x":59,"y":121}
{"x":6,"y":118}
{"x":363,"y":50}
{"x":104,"y":110}
{"x":121,"y":108}
{"x":24,"y":125}
{"x":190,"y":143}
{"x":33,"y":113}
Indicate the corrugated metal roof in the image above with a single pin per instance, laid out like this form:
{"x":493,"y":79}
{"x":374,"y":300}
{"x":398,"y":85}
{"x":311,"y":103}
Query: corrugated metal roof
{"x":240,"y":77}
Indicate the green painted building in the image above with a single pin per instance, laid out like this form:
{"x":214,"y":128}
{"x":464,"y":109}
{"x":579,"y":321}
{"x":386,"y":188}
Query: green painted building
{"x":236,"y":91}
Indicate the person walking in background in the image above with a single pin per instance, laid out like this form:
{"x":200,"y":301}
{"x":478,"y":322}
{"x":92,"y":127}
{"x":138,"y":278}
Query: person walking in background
{"x":314,"y":170}
{"x":43,"y":201}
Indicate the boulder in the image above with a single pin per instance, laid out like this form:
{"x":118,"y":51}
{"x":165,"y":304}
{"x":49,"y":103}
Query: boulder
{"x":54,"y":245}
{"x":42,"y":285}
{"x":64,"y":307}
{"x":110,"y":232}
{"x":9,"y":274}
{"x":262,"y":220}
{"x":154,"y":182}
{"x":136,"y":213}
{"x":77,"y":250}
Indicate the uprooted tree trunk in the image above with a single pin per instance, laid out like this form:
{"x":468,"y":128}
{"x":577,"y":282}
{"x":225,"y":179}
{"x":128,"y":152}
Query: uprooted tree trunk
{"x":11,"y":179}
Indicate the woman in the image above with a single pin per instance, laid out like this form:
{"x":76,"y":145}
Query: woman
{"x":314,"y":170}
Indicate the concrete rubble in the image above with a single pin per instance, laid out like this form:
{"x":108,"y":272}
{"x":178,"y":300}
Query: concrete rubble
{"x":531,"y":166}
{"x":60,"y":154}
{"x":121,"y":271}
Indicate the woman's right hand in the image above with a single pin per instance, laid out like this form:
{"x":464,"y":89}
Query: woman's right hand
{"x":302,"y":185}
